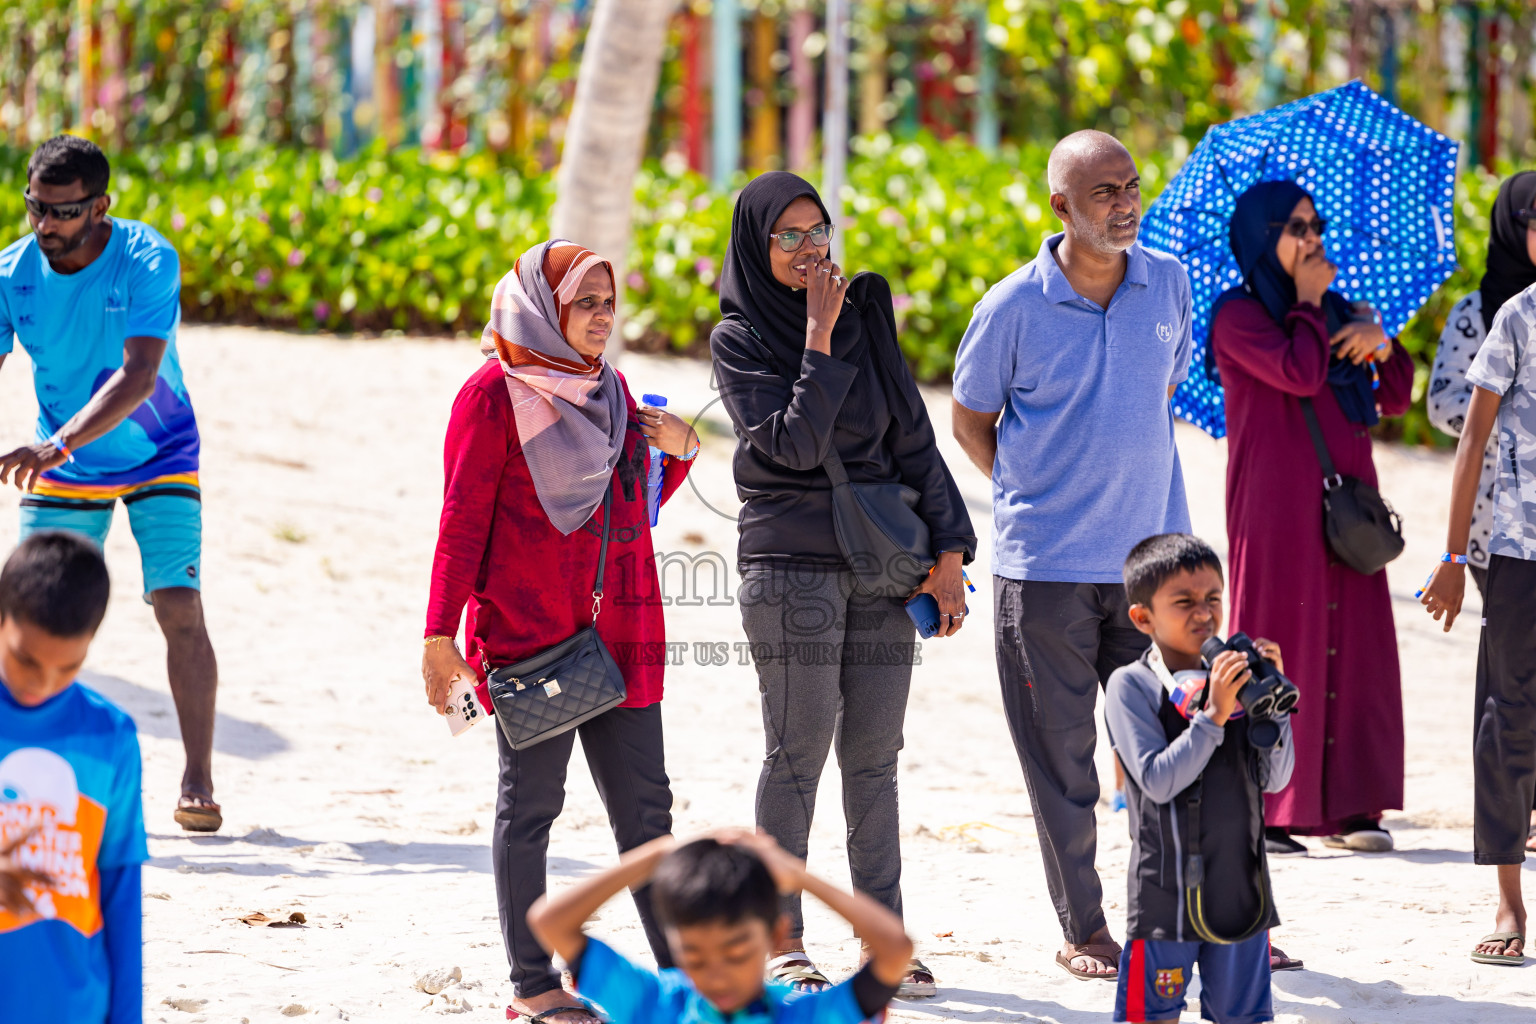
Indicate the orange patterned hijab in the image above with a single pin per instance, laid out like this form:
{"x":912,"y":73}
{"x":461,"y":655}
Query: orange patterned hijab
{"x":570,"y":411}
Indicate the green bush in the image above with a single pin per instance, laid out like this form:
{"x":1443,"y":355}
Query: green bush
{"x":404,"y":241}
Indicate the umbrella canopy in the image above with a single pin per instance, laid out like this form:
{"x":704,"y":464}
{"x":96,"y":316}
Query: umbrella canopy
{"x":1384,"y":182}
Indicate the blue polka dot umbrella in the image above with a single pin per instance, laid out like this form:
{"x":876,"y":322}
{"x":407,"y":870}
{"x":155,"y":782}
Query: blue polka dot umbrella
{"x":1384,"y":182}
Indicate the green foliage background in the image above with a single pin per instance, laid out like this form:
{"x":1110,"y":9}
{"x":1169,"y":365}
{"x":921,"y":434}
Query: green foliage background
{"x":400,"y":240}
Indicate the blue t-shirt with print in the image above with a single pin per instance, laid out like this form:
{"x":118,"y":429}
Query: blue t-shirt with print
{"x":632,"y":994}
{"x":73,"y":327}
{"x":70,"y":769}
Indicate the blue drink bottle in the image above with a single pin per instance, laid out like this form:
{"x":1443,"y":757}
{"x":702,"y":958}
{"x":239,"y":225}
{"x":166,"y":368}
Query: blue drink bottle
{"x":658,"y":465}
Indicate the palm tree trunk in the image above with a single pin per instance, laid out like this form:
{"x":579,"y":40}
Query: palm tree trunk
{"x":615,"y":90}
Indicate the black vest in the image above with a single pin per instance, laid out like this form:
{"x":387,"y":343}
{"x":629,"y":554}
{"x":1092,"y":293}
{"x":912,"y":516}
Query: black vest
{"x":1231,"y":844}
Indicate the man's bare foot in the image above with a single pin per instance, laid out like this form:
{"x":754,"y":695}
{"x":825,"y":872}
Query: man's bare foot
{"x":546,"y":1001}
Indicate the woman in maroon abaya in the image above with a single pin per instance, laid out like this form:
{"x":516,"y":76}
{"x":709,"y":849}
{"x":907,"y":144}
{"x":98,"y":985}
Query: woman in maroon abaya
{"x":1281,"y":337}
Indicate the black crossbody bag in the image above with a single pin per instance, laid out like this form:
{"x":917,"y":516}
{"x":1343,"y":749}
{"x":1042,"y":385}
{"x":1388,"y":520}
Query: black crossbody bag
{"x":1362,"y":529}
{"x":562,"y":686}
{"x":886,"y":543}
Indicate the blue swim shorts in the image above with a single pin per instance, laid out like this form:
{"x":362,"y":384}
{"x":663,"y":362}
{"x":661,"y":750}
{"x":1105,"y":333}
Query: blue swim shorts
{"x":1234,"y":980}
{"x":167,"y":524}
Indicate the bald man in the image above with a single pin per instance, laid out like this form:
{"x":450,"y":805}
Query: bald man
{"x":1061,"y":397}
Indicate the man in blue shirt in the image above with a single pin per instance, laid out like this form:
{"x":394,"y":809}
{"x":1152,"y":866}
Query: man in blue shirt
{"x":1078,"y":353}
{"x":95,"y":301}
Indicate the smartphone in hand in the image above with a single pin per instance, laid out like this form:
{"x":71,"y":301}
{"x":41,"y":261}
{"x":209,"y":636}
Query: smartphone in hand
{"x":464,"y":707}
{"x":923,"y":610}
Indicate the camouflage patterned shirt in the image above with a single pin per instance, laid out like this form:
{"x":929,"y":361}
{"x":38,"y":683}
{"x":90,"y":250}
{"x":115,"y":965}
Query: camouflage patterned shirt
{"x":1506,"y":365}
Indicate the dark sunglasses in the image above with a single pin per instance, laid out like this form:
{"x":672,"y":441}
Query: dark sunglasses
{"x":789,"y":241}
{"x":1298,"y":228}
{"x":59,"y":211}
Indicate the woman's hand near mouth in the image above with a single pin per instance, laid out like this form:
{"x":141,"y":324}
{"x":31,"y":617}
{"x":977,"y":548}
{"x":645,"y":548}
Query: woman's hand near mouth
{"x":825,"y":287}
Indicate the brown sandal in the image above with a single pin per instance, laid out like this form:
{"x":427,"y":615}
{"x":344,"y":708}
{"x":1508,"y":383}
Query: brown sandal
{"x":1107,"y":953}
{"x":199,"y":814}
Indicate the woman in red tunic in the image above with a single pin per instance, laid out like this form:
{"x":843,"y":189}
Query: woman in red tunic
{"x":537,"y":437}
{"x":1281,"y":337}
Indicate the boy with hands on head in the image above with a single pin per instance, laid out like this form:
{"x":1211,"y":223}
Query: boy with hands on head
{"x":718,"y":899}
{"x":1194,"y":789}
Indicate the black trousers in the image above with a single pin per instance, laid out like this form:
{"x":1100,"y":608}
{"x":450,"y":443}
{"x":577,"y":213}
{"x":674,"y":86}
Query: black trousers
{"x":624,"y":751}
{"x":1057,"y":644}
{"x":1480,"y":577}
{"x":1504,"y":740}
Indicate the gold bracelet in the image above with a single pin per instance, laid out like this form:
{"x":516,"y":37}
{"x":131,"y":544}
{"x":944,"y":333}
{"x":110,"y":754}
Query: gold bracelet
{"x":429,"y":641}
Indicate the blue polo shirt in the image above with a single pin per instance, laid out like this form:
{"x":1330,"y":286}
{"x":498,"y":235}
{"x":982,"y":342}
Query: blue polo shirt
{"x":1086,"y":464}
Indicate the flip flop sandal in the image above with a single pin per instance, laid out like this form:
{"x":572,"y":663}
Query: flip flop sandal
{"x":1500,"y":959}
{"x":913,"y":986}
{"x":798,"y":972}
{"x":199,"y":816}
{"x":1100,"y":951}
{"x":1278,"y":961}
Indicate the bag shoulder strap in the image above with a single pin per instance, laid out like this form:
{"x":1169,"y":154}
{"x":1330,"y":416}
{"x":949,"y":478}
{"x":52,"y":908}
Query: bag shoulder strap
{"x":602,"y":553}
{"x":1330,"y":475}
{"x":833,"y":464}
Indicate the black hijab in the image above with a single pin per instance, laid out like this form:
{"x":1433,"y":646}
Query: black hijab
{"x":1509,"y":270}
{"x":1260,"y":215}
{"x":865,"y":332}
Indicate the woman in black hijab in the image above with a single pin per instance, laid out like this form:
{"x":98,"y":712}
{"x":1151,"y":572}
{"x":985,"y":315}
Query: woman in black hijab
{"x":807,"y":361}
{"x":1510,"y":270}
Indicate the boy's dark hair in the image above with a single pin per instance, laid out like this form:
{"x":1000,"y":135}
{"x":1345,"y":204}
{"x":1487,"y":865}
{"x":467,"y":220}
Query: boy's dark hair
{"x":57,"y":582}
{"x":1158,"y":559}
{"x":707,"y":880}
{"x":68,"y":158}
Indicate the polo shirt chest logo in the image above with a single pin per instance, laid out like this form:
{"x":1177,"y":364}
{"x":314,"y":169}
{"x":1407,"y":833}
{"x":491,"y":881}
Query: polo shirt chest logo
{"x":1164,"y":332}
{"x":115,"y":303}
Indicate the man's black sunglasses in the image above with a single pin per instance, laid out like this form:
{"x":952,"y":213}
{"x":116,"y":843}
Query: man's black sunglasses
{"x":1297,"y":227}
{"x":59,"y":211}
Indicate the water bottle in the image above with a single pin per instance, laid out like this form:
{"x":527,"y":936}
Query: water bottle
{"x":658,"y":464}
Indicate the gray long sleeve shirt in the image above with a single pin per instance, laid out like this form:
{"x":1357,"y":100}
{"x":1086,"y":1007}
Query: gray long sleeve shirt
{"x":1163,"y":770}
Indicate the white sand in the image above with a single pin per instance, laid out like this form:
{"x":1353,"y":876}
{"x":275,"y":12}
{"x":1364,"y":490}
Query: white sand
{"x":346,"y":799}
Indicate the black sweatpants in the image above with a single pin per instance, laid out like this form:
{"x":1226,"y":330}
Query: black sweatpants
{"x":1057,"y":644}
{"x":624,"y":752}
{"x":1504,"y":740}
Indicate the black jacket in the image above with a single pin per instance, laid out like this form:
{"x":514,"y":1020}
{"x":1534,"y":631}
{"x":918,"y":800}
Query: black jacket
{"x":784,"y":424}
{"x":1236,"y":895}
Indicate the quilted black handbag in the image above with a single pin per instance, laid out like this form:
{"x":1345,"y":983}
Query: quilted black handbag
{"x":562,"y":686}
{"x":885,"y":541}
{"x":1363,"y":530}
